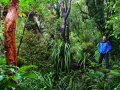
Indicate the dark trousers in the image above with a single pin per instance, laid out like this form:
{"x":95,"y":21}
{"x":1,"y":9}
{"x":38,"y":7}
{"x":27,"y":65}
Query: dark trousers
{"x":102,"y":56}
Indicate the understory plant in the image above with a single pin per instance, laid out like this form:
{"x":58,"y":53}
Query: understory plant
{"x":34,"y":50}
{"x":74,"y":80}
{"x":11,"y":75}
{"x":61,"y":56}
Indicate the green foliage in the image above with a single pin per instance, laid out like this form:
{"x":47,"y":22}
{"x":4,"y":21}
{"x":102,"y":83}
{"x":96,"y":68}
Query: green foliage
{"x":49,"y":82}
{"x":114,"y":19}
{"x":34,"y":50}
{"x":75,"y":80}
{"x":2,"y":60}
{"x":42,"y":82}
{"x":1,"y":40}
{"x":84,"y":37}
{"x":115,"y":32}
{"x":9,"y":76}
{"x":115,"y":73}
{"x":61,"y":56}
{"x":4,"y":2}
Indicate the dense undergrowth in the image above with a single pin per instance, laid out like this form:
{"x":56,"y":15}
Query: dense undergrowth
{"x":45,"y":62}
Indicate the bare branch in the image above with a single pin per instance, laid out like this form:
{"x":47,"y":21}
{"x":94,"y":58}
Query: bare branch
{"x":68,"y":7}
{"x":21,"y":39}
{"x":62,"y":6}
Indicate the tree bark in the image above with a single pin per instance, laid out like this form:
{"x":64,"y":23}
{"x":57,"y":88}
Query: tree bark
{"x":65,"y":13}
{"x":9,"y":33}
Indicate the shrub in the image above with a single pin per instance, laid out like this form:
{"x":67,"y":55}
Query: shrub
{"x":34,"y":50}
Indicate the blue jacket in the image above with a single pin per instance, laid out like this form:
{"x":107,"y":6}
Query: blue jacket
{"x":104,"y":47}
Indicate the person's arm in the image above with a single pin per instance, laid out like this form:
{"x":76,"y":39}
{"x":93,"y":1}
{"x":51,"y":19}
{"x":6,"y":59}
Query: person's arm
{"x":109,"y":47}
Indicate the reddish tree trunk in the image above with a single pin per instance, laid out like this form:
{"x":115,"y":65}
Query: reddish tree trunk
{"x":9,"y":33}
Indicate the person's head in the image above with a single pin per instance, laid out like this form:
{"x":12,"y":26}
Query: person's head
{"x":104,"y":38}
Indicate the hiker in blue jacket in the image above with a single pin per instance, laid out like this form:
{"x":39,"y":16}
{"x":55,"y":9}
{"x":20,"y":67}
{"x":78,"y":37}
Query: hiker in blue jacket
{"x":104,"y":47}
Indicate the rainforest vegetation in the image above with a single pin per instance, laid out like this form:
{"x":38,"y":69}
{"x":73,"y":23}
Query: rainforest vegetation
{"x":53,"y":44}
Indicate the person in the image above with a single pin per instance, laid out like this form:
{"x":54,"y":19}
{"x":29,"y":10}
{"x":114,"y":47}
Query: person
{"x":104,"y":47}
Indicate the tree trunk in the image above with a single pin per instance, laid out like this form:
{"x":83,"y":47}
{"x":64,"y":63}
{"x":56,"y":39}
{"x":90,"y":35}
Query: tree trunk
{"x":65,"y":14}
{"x":9,"y":33}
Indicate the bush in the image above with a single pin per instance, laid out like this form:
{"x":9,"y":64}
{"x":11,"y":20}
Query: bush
{"x":34,"y":50}
{"x":11,"y":75}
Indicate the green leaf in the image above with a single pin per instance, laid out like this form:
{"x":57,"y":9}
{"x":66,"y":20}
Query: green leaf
{"x":16,"y":77}
{"x":30,"y":75}
{"x":25,"y":68}
{"x":115,"y":72}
